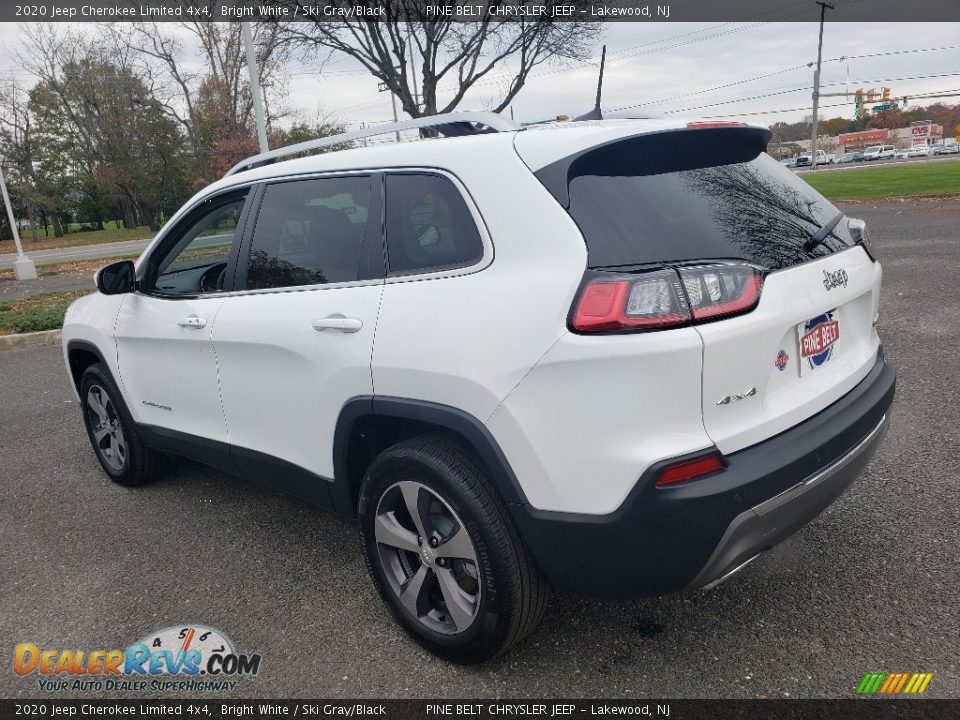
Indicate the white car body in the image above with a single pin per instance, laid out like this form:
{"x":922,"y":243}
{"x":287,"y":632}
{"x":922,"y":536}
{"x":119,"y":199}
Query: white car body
{"x":577,"y":417}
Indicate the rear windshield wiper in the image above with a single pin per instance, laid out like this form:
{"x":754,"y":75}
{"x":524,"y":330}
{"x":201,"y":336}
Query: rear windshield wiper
{"x":820,"y":235}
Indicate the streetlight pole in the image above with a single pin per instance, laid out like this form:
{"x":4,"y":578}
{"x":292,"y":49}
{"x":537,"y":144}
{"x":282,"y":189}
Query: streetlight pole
{"x":816,"y":86}
{"x":255,"y":86}
{"x":23,"y":267}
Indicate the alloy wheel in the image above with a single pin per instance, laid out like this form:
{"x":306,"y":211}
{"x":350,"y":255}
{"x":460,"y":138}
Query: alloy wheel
{"x":108,"y":438}
{"x":428,"y":558}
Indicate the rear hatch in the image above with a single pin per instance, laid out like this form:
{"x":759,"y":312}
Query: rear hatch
{"x":708,"y":204}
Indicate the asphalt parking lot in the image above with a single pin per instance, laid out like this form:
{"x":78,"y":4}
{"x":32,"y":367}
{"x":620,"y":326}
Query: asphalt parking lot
{"x":873,"y":585}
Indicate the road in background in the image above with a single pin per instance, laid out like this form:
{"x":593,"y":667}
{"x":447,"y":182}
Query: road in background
{"x":878,"y":163}
{"x":82,"y":252}
{"x":869,"y":586}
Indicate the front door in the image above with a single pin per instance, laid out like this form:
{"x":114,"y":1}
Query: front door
{"x":167,"y":362}
{"x":295,"y":344}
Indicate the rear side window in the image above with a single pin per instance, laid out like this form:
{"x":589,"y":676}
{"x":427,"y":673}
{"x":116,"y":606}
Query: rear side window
{"x":693,"y":195}
{"x":428,"y":225}
{"x":310,"y":232}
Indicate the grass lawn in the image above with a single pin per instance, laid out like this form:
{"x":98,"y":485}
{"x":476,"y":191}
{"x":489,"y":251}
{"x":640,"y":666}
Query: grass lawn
{"x":918,"y":179}
{"x":40,"y":312}
{"x":75,"y":239}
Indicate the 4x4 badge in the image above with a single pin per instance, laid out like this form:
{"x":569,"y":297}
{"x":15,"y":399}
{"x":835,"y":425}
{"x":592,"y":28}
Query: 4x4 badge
{"x":727,"y":399}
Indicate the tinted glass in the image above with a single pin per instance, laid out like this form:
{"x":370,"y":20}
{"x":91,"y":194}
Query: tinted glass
{"x":198,"y":262}
{"x":675,"y":197}
{"x":429,"y":226}
{"x":310,"y":232}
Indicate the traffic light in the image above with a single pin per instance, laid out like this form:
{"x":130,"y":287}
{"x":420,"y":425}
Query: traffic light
{"x":886,"y":94}
{"x":858,"y":100}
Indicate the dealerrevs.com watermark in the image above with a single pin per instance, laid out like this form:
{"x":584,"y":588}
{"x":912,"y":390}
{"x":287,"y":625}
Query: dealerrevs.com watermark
{"x":187,"y":658}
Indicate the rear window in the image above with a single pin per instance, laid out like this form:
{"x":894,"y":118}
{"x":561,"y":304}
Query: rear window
{"x":692,"y":195}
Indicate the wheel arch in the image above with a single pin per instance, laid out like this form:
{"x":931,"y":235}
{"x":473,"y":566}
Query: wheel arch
{"x":81,"y":354}
{"x":367,"y":425}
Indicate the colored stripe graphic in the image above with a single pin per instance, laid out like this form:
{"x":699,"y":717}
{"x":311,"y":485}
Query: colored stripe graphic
{"x":894,"y":683}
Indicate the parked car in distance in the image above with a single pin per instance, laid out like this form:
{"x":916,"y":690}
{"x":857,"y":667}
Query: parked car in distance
{"x":879,"y":152}
{"x":902,"y":153}
{"x":823,"y":158}
{"x":919,"y":151}
{"x":789,"y":162}
{"x":946,"y":149}
{"x":848,"y":157}
{"x":632,"y":376}
{"x":858,"y":156}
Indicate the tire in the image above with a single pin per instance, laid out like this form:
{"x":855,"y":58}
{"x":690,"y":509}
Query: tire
{"x":458,"y":579}
{"x":113,"y":434}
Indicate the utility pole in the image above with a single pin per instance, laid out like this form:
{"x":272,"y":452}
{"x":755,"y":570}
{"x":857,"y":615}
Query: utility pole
{"x":383,"y":87}
{"x":255,"y":92}
{"x":816,"y":86}
{"x":23,"y":267}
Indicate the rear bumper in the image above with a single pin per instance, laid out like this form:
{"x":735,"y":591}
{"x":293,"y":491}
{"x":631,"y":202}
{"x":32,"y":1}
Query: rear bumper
{"x":663,"y":540}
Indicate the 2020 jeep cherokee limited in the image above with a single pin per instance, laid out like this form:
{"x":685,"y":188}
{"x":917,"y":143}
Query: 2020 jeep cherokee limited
{"x":620,"y":358}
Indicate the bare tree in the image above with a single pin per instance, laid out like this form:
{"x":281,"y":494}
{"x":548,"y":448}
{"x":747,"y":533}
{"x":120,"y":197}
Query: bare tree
{"x":414,"y":54}
{"x":18,"y":148}
{"x":209,"y":100}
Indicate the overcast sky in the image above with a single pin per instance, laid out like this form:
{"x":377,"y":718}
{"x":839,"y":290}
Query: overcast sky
{"x":653,"y":64}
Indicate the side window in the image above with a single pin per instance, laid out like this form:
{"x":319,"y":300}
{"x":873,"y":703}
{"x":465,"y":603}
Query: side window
{"x":429,"y":226}
{"x":310,"y":232}
{"x":197,"y":263}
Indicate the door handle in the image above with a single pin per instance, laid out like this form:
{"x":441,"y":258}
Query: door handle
{"x":193,"y":322}
{"x":343,"y":324}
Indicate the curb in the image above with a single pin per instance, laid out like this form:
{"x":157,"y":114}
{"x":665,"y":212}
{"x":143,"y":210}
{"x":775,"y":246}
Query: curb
{"x":29,"y":340}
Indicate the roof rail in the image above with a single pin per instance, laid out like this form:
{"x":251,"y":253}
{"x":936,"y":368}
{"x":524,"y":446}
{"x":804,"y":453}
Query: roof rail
{"x":449,"y":124}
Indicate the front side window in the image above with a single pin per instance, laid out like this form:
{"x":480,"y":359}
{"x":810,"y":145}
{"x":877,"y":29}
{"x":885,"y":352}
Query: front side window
{"x":310,"y":232}
{"x":428,"y":224}
{"x":197,"y":263}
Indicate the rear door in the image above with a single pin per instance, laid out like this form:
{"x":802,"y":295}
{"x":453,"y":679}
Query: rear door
{"x":695,"y":198}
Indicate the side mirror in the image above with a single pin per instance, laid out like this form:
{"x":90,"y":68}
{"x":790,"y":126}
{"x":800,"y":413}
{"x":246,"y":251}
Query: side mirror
{"x":116,"y":278}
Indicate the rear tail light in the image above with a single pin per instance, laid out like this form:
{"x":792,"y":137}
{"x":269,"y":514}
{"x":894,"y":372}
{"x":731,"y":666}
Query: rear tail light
{"x":690,"y":470}
{"x":650,"y":301}
{"x":858,"y":231}
{"x":666,"y":298}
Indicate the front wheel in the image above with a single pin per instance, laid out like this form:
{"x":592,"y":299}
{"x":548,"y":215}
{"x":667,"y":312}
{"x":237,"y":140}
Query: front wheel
{"x":442,"y":551}
{"x":122,"y":453}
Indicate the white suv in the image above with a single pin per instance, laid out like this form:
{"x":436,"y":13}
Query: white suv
{"x":619,"y":358}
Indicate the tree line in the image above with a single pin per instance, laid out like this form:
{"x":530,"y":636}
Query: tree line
{"x":124,"y":124}
{"x":947,"y":116}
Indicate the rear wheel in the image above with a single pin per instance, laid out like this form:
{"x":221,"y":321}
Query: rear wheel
{"x":443,"y":553}
{"x":122,"y":453}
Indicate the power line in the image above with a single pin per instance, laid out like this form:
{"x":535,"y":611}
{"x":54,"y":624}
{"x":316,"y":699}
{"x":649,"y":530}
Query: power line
{"x":920,"y":96}
{"x":793,"y":68}
{"x":804,"y":87}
